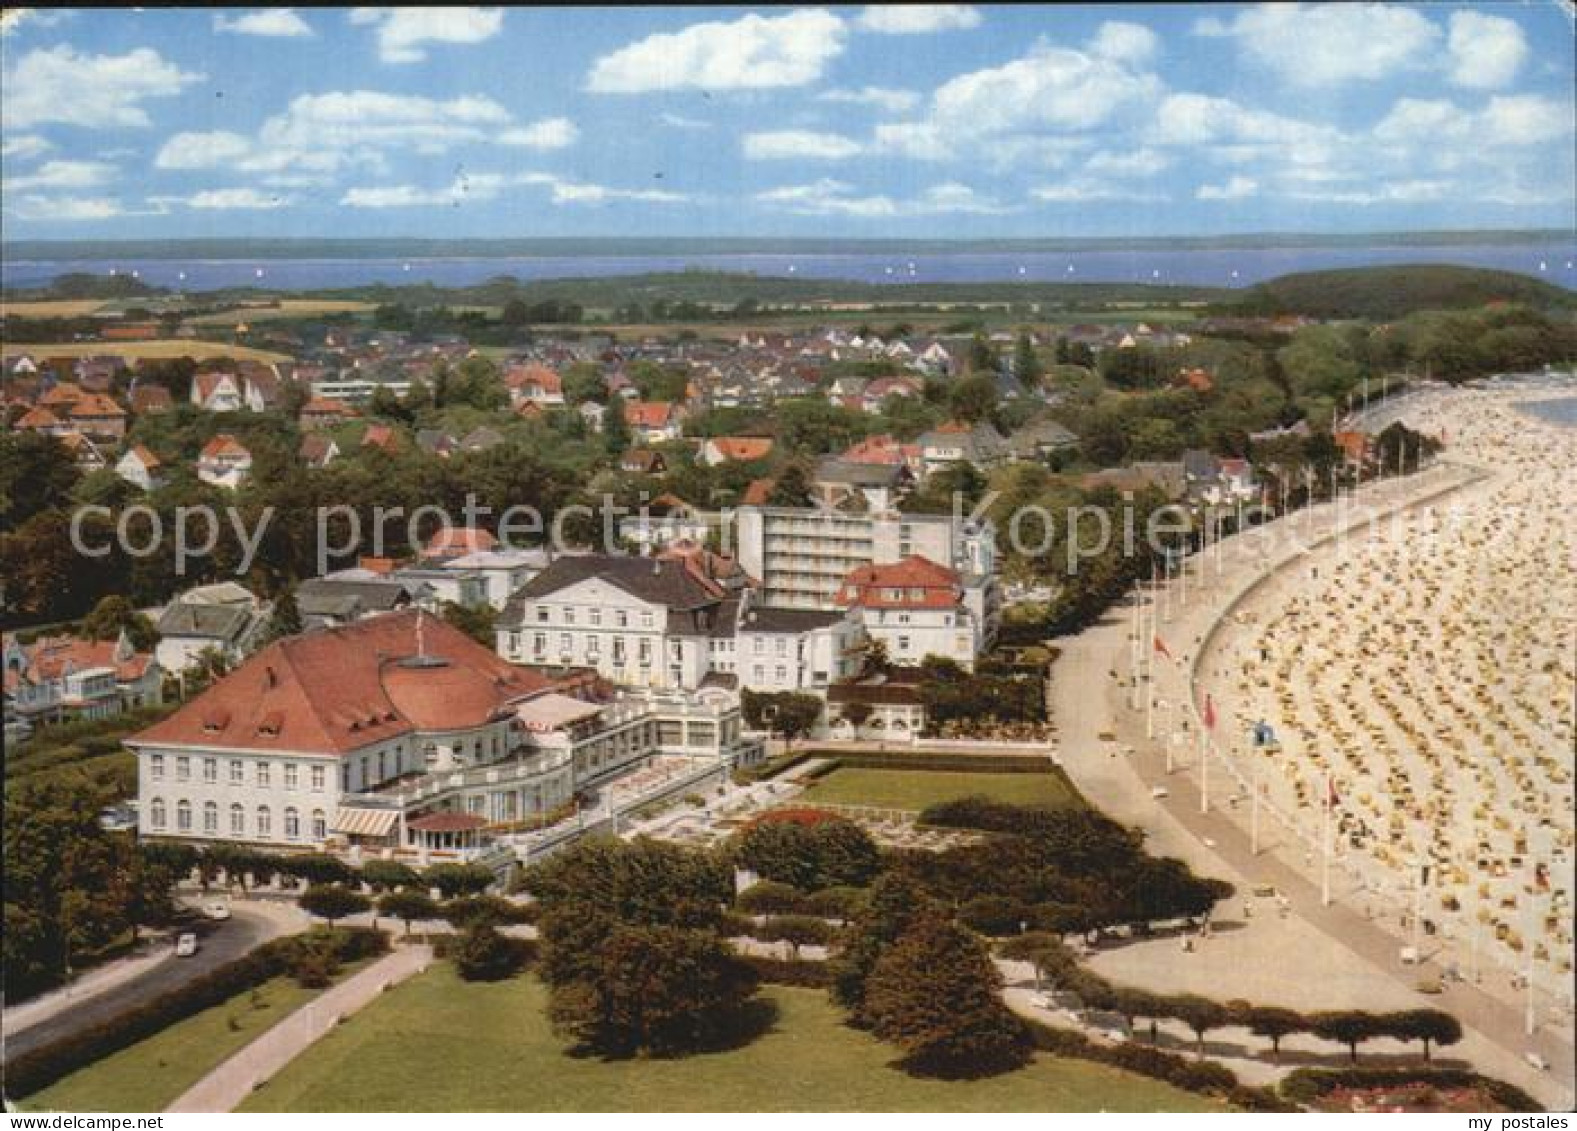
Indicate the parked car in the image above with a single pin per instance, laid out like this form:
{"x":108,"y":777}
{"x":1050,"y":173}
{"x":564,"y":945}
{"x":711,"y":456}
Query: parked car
{"x":186,"y":945}
{"x":218,"y":912}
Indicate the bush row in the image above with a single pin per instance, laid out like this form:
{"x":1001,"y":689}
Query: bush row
{"x":1307,"y":1085}
{"x":926,"y":760}
{"x":1203,"y":1077}
{"x":43,"y":1066}
{"x":789,"y":972}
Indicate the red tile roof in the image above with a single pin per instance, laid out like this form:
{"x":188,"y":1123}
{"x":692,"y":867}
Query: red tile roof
{"x":224,"y":446}
{"x":913,"y":583}
{"x":94,"y":405}
{"x":741,"y":447}
{"x":50,"y":657}
{"x":39,"y":418}
{"x":649,"y":414}
{"x":454,"y":541}
{"x":336,"y":690}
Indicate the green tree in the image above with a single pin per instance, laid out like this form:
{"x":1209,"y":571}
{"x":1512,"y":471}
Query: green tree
{"x":894,"y":900}
{"x":475,"y":621}
{"x":458,"y":879}
{"x":387,"y":875}
{"x":331,"y":902}
{"x":1431,"y":1026}
{"x":481,"y":954}
{"x":1350,"y":1027}
{"x":935,"y":994}
{"x":656,"y":989}
{"x":808,"y":857}
{"x":407,"y":906}
{"x":1026,"y":361}
{"x":285,"y":618}
{"x":1200,"y":1014}
{"x":114,"y":615}
{"x":1274,"y":1024}
{"x":974,"y":399}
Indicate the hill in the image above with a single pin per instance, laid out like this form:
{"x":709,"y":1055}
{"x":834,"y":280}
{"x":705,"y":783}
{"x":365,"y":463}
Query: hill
{"x":1384,"y":293}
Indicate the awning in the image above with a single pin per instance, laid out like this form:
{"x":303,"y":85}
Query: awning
{"x":554,"y":712}
{"x":365,"y":822}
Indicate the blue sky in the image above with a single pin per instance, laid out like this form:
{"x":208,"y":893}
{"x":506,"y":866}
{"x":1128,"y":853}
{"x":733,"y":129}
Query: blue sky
{"x":947,"y":120}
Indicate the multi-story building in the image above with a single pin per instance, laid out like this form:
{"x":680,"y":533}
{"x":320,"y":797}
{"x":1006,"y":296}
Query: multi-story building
{"x":399,"y":735}
{"x":801,"y":556}
{"x":917,"y":608}
{"x":61,"y":678}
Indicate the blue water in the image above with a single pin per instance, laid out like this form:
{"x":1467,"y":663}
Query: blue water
{"x":1550,"y":261}
{"x":1562,"y":410}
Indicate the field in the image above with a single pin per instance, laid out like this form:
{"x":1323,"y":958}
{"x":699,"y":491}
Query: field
{"x":149,"y":1075}
{"x":51,"y":308}
{"x":132,"y":351}
{"x":916,"y":789}
{"x":436,"y":1043}
{"x":286,"y":308}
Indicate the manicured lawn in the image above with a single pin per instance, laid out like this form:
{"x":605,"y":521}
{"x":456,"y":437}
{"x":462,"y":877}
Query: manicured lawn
{"x":149,"y":1075}
{"x":436,"y":1043}
{"x":915,"y":789}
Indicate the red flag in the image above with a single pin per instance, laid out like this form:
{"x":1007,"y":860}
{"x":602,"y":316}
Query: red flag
{"x":1210,"y":712}
{"x":1332,"y":798}
{"x":1160,"y":646}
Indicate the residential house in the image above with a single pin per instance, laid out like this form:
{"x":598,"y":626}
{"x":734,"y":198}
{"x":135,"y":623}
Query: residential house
{"x":224,"y":462}
{"x":225,"y":618}
{"x":62,"y":678}
{"x":534,"y":384}
{"x":734,"y":449}
{"x":96,"y":415}
{"x":149,"y":399}
{"x":956,"y":442}
{"x":917,"y":608}
{"x":317,"y":450}
{"x":643,"y":461}
{"x":141,"y":468}
{"x":653,"y":422}
{"x":324,"y":412}
{"x":1041,"y":441}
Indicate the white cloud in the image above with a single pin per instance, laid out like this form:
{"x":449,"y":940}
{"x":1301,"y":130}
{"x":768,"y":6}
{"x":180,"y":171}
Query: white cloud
{"x":274,"y":23}
{"x":1329,"y":44}
{"x":918,"y":19}
{"x":63,"y":175}
{"x":1486,"y":51}
{"x":58,"y":84}
{"x":1399,"y":192}
{"x":680,"y":122}
{"x":1526,"y":119}
{"x":25,"y":146}
{"x":549,"y":133}
{"x":1128,"y":163}
{"x":578,"y":192}
{"x":1125,"y":42}
{"x":1050,"y":87}
{"x":1082,"y":190}
{"x":798,"y":144}
{"x":751,"y":52}
{"x":1201,"y":119}
{"x":885,"y":98}
{"x":12,"y":19}
{"x":476,"y":186}
{"x":1238,"y":188}
{"x":924,"y":141}
{"x":829,"y":197}
{"x":226,"y":200}
{"x":403,"y":32}
{"x":67,"y":208}
{"x":202,"y":150}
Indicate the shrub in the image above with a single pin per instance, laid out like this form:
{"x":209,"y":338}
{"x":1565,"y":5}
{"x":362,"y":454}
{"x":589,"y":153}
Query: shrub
{"x":1307,"y":1085}
{"x":481,"y":954}
{"x":797,"y":931}
{"x":458,"y":879}
{"x":389,"y":875}
{"x":332,"y":902}
{"x":789,"y":972}
{"x":842,"y":902}
{"x":408,"y":906}
{"x":994,"y":915}
{"x":479,"y":910}
{"x":769,"y":897}
{"x":826,"y":853}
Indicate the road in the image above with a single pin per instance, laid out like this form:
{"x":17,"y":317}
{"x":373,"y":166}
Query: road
{"x":220,"y":943}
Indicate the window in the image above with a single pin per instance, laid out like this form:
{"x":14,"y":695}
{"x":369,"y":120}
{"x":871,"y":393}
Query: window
{"x":156,"y":767}
{"x":782,"y":673}
{"x":569,"y":615}
{"x":317,"y":779}
{"x":646,"y":618}
{"x":210,"y":817}
{"x":237,"y":820}
{"x":237,"y":771}
{"x":596,"y":616}
{"x":758,"y":673}
{"x":292,"y":825}
{"x":621,"y":618}
{"x":618,"y":649}
{"x":514,"y":642}
{"x":265,"y":822}
{"x":156,"y":813}
{"x":183,"y":816}
{"x":566,"y":643}
{"x":782,"y":646}
{"x":292,"y":775}
{"x":646,"y":652}
{"x":761,"y":645}
{"x":210,"y":770}
{"x":903,"y":644}
{"x":183,"y":769}
{"x":542,"y":614}
{"x":262,"y":774}
{"x":320,"y":826}
{"x":593,"y":646}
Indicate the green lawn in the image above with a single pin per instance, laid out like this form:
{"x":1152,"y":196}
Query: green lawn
{"x":916,"y":789}
{"x":149,"y":1075}
{"x":436,"y":1043}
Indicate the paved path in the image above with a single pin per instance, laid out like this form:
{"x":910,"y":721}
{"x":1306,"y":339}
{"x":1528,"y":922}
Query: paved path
{"x":225,"y":1087}
{"x":1335,"y":947}
{"x":249,"y":926}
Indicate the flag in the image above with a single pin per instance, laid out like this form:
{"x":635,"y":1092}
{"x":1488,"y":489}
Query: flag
{"x":1332,"y":798}
{"x":1160,"y":646}
{"x":1210,"y":712}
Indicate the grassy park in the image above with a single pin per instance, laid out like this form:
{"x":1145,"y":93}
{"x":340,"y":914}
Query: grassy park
{"x":917,"y":789}
{"x":151,"y":1074}
{"x":436,"y":1043}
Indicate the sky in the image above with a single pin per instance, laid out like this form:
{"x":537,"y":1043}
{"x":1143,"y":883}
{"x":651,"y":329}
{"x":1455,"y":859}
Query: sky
{"x":965,"y":121}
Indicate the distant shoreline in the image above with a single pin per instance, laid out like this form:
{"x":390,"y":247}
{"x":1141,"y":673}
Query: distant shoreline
{"x":221,"y":249}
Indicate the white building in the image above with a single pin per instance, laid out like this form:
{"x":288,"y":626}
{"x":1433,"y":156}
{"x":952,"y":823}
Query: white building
{"x":917,"y":608}
{"x":224,"y":462}
{"x":400,"y":737}
{"x":224,"y":617}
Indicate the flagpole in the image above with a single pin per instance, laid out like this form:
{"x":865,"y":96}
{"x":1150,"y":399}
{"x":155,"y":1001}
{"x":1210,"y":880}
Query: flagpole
{"x":1149,"y":678}
{"x":1133,"y":654}
{"x":1204,"y":769}
{"x":1253,"y":827}
{"x":1530,"y":1021}
{"x":1325,"y":847}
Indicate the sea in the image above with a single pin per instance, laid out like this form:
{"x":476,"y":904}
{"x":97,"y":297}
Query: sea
{"x":1552,"y":261}
{"x":1560,"y":410}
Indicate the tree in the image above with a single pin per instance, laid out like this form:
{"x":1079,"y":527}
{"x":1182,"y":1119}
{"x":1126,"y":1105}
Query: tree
{"x":769,"y":897}
{"x":387,"y":875}
{"x":894,"y":900}
{"x":655,"y":989}
{"x":808,"y":856}
{"x":1273,"y":1023}
{"x":974,"y":399}
{"x":797,"y":931}
{"x":285,"y":619}
{"x":475,"y":621}
{"x":792,"y":714}
{"x":935,"y":994}
{"x":1350,"y":1027}
{"x":481,"y":954}
{"x":331,"y":902}
{"x":1200,"y":1014}
{"x":114,"y":615}
{"x":458,"y":879}
{"x":1042,"y":950}
{"x":791,"y":488}
{"x":407,"y":906}
{"x":1026,"y":362}
{"x":1428,"y":1026}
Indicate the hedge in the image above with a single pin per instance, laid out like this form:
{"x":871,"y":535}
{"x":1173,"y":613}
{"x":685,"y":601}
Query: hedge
{"x":1307,"y":1085}
{"x":923,"y":760}
{"x":772,"y":767}
{"x":789,"y":972}
{"x":36,"y":1070}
